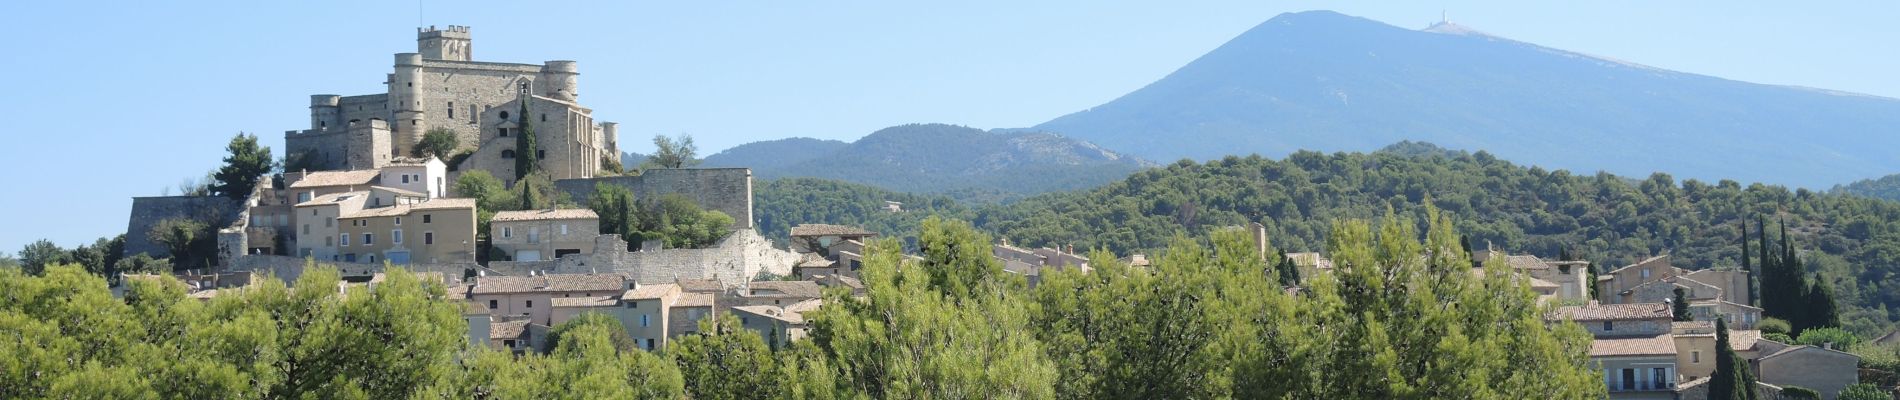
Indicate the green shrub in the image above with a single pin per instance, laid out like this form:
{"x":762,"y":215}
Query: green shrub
{"x":1774,"y":325}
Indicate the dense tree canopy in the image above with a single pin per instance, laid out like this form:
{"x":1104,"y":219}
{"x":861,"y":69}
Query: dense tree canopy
{"x":439,"y":142}
{"x":245,"y":163}
{"x":671,"y":218}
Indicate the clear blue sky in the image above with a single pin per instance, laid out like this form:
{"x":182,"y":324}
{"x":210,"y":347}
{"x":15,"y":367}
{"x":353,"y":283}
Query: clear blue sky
{"x":110,"y":101}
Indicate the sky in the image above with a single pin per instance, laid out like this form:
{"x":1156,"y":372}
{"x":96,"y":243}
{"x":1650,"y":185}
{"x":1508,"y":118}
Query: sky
{"x":109,"y":101}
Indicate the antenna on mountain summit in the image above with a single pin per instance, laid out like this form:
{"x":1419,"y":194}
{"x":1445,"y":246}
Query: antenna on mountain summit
{"x":1443,"y":17}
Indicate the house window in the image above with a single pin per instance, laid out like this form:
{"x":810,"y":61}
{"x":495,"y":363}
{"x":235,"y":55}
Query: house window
{"x":345,"y":239}
{"x":504,"y":132}
{"x":1607,"y":326}
{"x":507,"y":153}
{"x":329,"y":222}
{"x":633,"y":304}
{"x":507,"y":232}
{"x":530,"y":303}
{"x":1645,"y":274}
{"x":544,"y":117}
{"x":405,"y":179}
{"x":303,"y":197}
{"x":428,"y":238}
{"x":563,"y":229}
{"x":398,"y":220}
{"x":492,"y":304}
{"x":649,"y":343}
{"x":369,"y":239}
{"x":306,"y":229}
{"x":395,"y":236}
{"x":1695,"y":356}
{"x":1629,"y":379}
{"x":327,"y":240}
{"x":349,"y":257}
{"x":509,"y":343}
{"x":425,"y":218}
{"x":643,"y":320}
{"x":1659,"y":377}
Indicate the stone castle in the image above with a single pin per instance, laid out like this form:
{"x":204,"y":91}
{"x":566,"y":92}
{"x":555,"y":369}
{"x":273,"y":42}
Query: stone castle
{"x":441,"y":86}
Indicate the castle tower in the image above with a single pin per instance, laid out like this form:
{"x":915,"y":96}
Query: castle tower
{"x":559,"y":78}
{"x":405,"y":103}
{"x":324,"y":111}
{"x":453,"y":44}
{"x":367,"y":141}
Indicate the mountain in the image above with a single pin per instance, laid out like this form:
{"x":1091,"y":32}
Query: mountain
{"x":1886,"y":187}
{"x":967,"y":163}
{"x":774,"y":154}
{"x":1324,"y":81}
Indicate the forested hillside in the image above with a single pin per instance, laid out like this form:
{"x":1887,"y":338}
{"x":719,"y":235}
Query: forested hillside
{"x":1604,"y":218}
{"x":967,"y":163}
{"x":1886,"y":187}
{"x":780,"y":204}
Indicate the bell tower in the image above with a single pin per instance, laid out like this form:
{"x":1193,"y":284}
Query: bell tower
{"x":452,"y":44}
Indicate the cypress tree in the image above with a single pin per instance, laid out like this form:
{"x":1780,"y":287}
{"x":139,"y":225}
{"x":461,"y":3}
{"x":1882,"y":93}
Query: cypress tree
{"x":1731,"y":379}
{"x":1681,"y":306}
{"x":1289,"y":273}
{"x":1822,"y":310}
{"x":527,"y":152}
{"x":1753,"y":295}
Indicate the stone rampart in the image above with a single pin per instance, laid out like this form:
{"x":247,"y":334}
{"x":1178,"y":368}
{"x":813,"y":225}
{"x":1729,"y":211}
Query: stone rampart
{"x":215,"y":211}
{"x":736,"y":259}
{"x":728,"y":190}
{"x":290,"y":268}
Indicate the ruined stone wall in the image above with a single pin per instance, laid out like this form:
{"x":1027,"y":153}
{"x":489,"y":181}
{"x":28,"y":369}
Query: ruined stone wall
{"x":737,"y":258}
{"x":728,"y":190}
{"x":215,"y":211}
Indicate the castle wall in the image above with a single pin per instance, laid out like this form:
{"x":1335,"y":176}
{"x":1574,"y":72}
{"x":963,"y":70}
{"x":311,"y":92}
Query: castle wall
{"x":215,"y":211}
{"x":290,"y":268}
{"x":737,"y":258}
{"x":728,"y":190}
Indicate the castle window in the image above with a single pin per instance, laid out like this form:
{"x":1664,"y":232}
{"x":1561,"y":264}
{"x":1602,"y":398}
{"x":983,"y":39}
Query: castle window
{"x":544,"y":117}
{"x":507,"y":154}
{"x":451,"y":110}
{"x":323,"y":124}
{"x":504,"y":132}
{"x":504,"y":115}
{"x":540,"y":154}
{"x":412,"y":84}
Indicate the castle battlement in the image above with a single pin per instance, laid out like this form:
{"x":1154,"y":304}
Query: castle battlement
{"x":453,"y":32}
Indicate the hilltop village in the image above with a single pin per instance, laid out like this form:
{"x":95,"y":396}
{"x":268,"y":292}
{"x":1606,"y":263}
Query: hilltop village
{"x":494,"y":181}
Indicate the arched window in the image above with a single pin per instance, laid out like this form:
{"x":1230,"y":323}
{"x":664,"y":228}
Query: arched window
{"x":507,"y":154}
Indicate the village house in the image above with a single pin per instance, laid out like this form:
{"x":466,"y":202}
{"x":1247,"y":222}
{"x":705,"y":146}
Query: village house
{"x":1821,"y":368}
{"x":1695,"y":347}
{"x":1710,"y":292}
{"x":430,"y":231}
{"x":779,"y":326}
{"x":534,"y":296}
{"x":536,"y":235}
{"x":1633,"y":347}
{"x":1030,"y":263}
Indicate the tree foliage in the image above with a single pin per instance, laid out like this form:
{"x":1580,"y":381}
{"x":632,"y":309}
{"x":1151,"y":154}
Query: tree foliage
{"x":709,"y":361}
{"x":438,"y":142}
{"x":1732,"y":378}
{"x":673,"y":152}
{"x":246,"y":163}
{"x":671,"y":218}
{"x":527,"y":148}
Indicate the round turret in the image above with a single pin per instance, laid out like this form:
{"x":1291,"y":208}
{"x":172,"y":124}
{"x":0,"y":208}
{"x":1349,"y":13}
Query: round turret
{"x":324,"y":110}
{"x":560,"y":78}
{"x":325,"y":100}
{"x":408,"y":59}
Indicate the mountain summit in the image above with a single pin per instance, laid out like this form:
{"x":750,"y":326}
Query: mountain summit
{"x":1326,"y":81}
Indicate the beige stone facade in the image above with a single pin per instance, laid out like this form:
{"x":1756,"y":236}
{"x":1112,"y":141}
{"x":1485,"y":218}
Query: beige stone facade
{"x":430,"y":231}
{"x":537,"y":235}
{"x":533,"y":296}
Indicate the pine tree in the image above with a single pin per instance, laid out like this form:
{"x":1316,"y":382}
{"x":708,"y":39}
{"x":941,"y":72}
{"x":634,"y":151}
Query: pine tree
{"x":1289,"y":272}
{"x":527,"y":152}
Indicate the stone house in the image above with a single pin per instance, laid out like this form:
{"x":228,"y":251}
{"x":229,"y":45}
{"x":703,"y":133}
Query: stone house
{"x":779,"y":326}
{"x":1030,"y":263}
{"x":1739,"y":316}
{"x":1567,"y":280}
{"x":646,"y":312}
{"x":819,"y":238}
{"x":774,"y":293}
{"x":1695,"y":347}
{"x":1654,"y":279}
{"x":533,"y":296}
{"x":1633,"y":347}
{"x":1815,"y":367}
{"x":536,"y":235}
{"x":431,"y":231}
{"x":306,"y":186}
{"x":426,"y":175}
{"x":684,"y":316}
{"x":317,"y":223}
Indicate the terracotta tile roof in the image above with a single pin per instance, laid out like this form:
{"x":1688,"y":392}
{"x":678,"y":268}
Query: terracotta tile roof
{"x":399,"y":191}
{"x":549,"y":283}
{"x":1526,"y":262}
{"x":541,"y":215}
{"x":1542,"y":284}
{"x":474,"y":308}
{"x":804,"y":306}
{"x":336,"y":178}
{"x":806,"y":289}
{"x":1659,"y":345}
{"x":1663,"y":258}
{"x":507,"y":329}
{"x":829,"y":230}
{"x":406,"y":209}
{"x":589,"y":301}
{"x":695,"y":300}
{"x":333,"y":198}
{"x":1743,"y":340}
{"x":781,"y":314}
{"x":818,"y":263}
{"x":651,"y":291}
{"x":1613,"y":312}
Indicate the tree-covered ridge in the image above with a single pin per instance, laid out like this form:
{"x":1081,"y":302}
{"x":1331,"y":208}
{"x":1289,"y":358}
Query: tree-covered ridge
{"x":1886,"y":187}
{"x":1603,"y":218}
{"x":780,"y":204}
